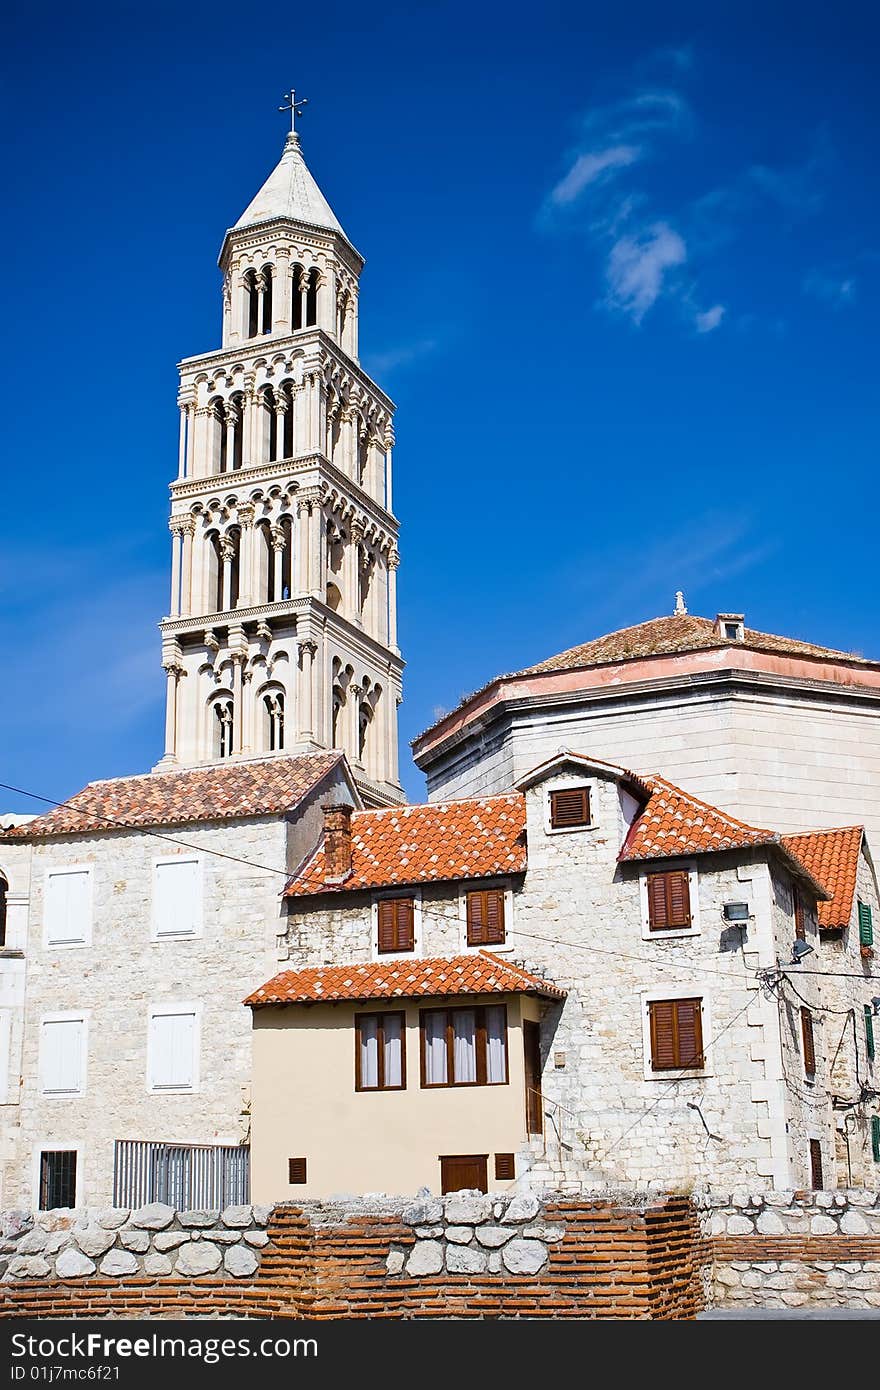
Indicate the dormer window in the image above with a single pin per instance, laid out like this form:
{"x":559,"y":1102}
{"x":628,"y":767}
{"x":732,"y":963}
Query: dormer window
{"x":730,"y":626}
{"x":569,"y":808}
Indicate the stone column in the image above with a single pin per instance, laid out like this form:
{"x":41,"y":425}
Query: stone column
{"x":326,"y":302}
{"x":280,"y":411}
{"x":190,"y":439}
{"x":227,"y":555}
{"x":351,"y":325}
{"x":393,"y":562}
{"x":354,"y":715}
{"x":188,"y":527}
{"x":281,"y":291}
{"x":250,"y":412}
{"x":246,"y":586}
{"x":305,"y":694}
{"x":173,"y":671}
{"x":174,"y":608}
{"x":316,"y":397}
{"x":277,"y":534}
{"x":303,"y":512}
{"x":181,"y":451}
{"x":261,"y":301}
{"x":317,"y":562}
{"x":303,"y":290}
{"x":244,"y":306}
{"x":231,"y":420}
{"x":351,"y":574}
{"x":238,"y":697}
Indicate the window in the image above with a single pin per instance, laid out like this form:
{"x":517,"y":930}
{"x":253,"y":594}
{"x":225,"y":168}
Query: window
{"x":676,"y":1034}
{"x":223,"y":726}
{"x":669,"y":901}
{"x":809,"y":1045}
{"x":68,"y":907}
{"x":4,"y":892}
{"x":296,"y":1171}
{"x":569,"y":807}
{"x":172,"y":1049}
{"x":57,"y":1179}
{"x":464,"y":1047}
{"x":800,"y":929}
{"x":396,"y":925}
{"x":380,"y":1042}
{"x":485,"y":917}
{"x":866,"y":925}
{"x":505,"y":1168}
{"x":62,"y":1055}
{"x":731,"y":630}
{"x":177,"y":897}
{"x":869,"y":1032}
{"x":816,"y":1179}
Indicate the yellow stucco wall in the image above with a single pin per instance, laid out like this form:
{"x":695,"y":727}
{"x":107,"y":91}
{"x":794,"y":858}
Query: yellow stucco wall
{"x":304,"y":1104}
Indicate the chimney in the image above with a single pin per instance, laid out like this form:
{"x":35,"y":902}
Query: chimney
{"x":337,"y":841}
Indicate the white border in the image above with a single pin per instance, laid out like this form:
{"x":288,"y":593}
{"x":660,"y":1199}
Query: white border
{"x":477,"y":886}
{"x":71,"y":1016}
{"x":198,"y":930}
{"x":689,"y":867}
{"x":693,"y":991}
{"x":559,"y":784}
{"x":53,"y":1146}
{"x":48,"y":943}
{"x":416,"y":895}
{"x":175,"y":1006}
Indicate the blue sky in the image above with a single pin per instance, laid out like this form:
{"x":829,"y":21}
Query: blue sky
{"x":623,"y":281}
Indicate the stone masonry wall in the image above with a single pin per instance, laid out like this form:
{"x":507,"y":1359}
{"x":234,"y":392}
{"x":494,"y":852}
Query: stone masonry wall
{"x":788,"y":1249}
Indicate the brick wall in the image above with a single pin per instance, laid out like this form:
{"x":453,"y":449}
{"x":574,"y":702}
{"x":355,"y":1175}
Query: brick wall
{"x":600,"y":1260}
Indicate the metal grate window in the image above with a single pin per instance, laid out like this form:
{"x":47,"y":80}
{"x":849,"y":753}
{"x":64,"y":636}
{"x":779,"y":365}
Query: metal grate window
{"x":184,"y":1176}
{"x":57,"y":1179}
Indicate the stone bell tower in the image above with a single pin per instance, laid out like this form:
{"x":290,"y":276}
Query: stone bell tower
{"x":282,"y":630}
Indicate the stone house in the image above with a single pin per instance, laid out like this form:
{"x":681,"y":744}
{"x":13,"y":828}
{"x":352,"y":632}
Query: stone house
{"x":145,"y":907}
{"x":588,"y":980}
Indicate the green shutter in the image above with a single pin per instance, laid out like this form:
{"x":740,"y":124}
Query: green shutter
{"x":869,"y":1031}
{"x":866,"y":925}
{"x":875,"y":1137}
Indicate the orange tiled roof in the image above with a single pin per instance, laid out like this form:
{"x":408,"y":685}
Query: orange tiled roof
{"x":832,"y":856}
{"x":480,"y":973}
{"x":683,"y":632}
{"x":266,"y":786}
{"x":425,"y":844}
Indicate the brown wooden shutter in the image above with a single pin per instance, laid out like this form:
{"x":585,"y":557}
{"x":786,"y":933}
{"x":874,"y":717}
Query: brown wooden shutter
{"x":485,"y":917}
{"x":809,"y":1041}
{"x":669,"y":901}
{"x":505,"y":1168}
{"x":800,"y":930}
{"x":296,"y":1170}
{"x":676,"y":1034}
{"x":570,"y":806}
{"x":816,"y":1178}
{"x":396,"y":924}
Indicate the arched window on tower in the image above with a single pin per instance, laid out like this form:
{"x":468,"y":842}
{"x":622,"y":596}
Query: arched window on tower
{"x":235,"y":419}
{"x":266,"y":562}
{"x":273,"y":721}
{"x":287,"y":557}
{"x":312,"y":298}
{"x":253,"y":303}
{"x":286,"y":388}
{"x":296,"y":301}
{"x":365,"y":716}
{"x":215,"y":570}
{"x":223,"y":726}
{"x":4,"y":894}
{"x":269,"y":423}
{"x":234,"y":535}
{"x":267,"y":299}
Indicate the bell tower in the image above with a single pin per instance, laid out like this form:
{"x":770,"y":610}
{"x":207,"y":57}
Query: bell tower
{"x":282,"y":629}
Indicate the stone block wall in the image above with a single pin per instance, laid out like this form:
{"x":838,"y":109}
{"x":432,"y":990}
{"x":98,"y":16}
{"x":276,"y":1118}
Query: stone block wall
{"x":789,"y":1249}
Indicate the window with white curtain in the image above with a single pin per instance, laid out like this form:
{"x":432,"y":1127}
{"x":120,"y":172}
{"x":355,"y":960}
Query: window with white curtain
{"x":172,"y":1052}
{"x":380,"y":1052}
{"x":464,"y":1047}
{"x":68,"y":907}
{"x":62,"y":1055}
{"x":177,"y":897}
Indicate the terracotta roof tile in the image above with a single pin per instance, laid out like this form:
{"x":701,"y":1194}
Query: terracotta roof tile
{"x":480,"y":973}
{"x":668,"y":635}
{"x":439,"y":841}
{"x":674,"y":822}
{"x":266,"y":786}
{"x":832,"y":856}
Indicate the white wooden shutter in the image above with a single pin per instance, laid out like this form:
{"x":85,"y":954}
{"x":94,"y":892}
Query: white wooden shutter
{"x":177,"y":892}
{"x":61,"y":1048}
{"x":172,"y":1051}
{"x":68,"y":906}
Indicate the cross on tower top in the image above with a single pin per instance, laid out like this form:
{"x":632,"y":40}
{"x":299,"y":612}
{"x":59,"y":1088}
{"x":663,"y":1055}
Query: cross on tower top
{"x":290,"y":103}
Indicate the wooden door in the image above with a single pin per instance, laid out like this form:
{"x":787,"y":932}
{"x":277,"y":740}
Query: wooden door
{"x":534,"y":1098}
{"x":459,"y":1171}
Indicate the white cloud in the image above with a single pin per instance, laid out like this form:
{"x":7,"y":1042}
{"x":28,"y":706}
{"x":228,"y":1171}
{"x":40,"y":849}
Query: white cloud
{"x":710,"y":319}
{"x":377,"y":363}
{"x":637,"y":266}
{"x":589,"y":167}
{"x":836,"y":290}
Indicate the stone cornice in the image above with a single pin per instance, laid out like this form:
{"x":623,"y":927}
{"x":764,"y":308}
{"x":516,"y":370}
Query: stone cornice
{"x":256,"y":234}
{"x":245,"y":354}
{"x":728,"y":682}
{"x":293,"y":469}
{"x":356,"y":639}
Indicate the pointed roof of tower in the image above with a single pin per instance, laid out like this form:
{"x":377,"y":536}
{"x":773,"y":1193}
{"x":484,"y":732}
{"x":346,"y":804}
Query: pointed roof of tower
{"x":291,"y":192}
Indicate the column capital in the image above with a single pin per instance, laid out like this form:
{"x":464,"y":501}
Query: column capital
{"x":227,"y":548}
{"x":393,"y":558}
{"x":277,"y":534}
{"x":307,"y":646}
{"x":246,"y":513}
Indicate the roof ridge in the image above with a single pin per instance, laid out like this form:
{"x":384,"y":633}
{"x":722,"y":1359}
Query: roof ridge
{"x":436,"y":805}
{"x":224,"y":766}
{"x":650,"y":777}
{"x":824,"y":830}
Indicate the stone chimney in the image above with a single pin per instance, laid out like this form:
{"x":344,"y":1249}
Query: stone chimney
{"x":337,"y":841}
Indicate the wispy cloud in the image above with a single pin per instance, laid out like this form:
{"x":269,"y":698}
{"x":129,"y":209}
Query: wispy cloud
{"x":637,"y":267}
{"x":834,"y":290}
{"x":587,"y":168}
{"x":710,"y":320}
{"x":393,"y":358}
